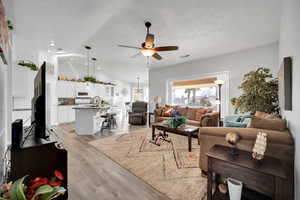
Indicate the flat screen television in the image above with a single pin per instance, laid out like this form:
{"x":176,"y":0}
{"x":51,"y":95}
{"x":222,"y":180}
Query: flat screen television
{"x":38,"y":116}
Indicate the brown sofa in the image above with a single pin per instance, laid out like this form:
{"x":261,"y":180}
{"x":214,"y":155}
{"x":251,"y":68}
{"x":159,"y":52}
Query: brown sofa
{"x":280,"y":144}
{"x":201,"y":117}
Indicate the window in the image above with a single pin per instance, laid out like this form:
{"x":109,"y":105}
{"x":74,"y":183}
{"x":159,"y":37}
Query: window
{"x":198,"y":93}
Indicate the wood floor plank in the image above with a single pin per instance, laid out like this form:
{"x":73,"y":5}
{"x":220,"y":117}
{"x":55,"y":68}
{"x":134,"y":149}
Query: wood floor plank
{"x":94,"y":176}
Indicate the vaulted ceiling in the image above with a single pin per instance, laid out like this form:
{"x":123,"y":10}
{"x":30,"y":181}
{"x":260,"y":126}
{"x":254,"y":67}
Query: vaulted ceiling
{"x":201,"y":28}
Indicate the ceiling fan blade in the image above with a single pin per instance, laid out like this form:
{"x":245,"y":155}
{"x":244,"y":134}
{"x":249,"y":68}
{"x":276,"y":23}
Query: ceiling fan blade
{"x":149,"y":40}
{"x":132,"y":47}
{"x":166,"y":48}
{"x":136,"y":55}
{"x":157,"y":56}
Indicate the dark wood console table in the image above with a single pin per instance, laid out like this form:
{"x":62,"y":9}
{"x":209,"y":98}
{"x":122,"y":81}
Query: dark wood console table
{"x":268,"y":177}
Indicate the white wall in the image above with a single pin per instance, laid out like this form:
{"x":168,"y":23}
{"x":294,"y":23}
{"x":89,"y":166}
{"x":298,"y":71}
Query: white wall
{"x":237,"y":64}
{"x":3,"y":131}
{"x":5,"y":108}
{"x":289,"y":45}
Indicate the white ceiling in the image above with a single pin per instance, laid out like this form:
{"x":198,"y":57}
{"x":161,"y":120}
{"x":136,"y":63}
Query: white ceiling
{"x":201,"y":28}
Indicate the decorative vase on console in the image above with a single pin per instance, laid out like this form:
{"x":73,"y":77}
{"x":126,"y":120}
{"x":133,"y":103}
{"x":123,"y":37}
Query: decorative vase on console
{"x":235,"y":189}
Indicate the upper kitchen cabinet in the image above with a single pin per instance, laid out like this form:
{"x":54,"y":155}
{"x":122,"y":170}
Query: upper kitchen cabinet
{"x":23,"y":80}
{"x":99,"y":90}
{"x":65,"y":89}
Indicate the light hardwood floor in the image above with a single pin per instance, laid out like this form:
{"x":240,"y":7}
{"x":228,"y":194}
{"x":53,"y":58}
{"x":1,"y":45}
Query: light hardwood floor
{"x":92,"y":176}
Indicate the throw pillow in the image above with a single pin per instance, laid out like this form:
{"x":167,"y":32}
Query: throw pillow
{"x":199,"y":113}
{"x":266,"y":115}
{"x":198,"y":116}
{"x":191,"y":113}
{"x":182,"y":110}
{"x":167,"y":112}
{"x":271,"y":124}
{"x":202,"y":110}
{"x":174,"y":113}
{"x":209,"y":110}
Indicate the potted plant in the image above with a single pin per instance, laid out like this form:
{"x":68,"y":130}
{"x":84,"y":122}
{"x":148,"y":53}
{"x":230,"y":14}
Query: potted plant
{"x":260,"y":92}
{"x":29,"y":65}
{"x":176,"y":121}
{"x":35,"y":189}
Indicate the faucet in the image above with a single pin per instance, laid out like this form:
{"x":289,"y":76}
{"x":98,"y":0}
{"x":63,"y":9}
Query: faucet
{"x":97,"y":100}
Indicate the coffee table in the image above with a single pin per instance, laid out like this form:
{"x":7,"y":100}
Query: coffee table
{"x":187,"y":130}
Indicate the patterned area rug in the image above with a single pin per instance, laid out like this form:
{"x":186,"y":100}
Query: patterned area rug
{"x":169,"y":168}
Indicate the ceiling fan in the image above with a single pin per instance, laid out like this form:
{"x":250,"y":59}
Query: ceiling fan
{"x":147,"y":48}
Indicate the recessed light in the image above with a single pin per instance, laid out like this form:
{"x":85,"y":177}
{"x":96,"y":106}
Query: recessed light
{"x":185,"y":56}
{"x":52,"y":44}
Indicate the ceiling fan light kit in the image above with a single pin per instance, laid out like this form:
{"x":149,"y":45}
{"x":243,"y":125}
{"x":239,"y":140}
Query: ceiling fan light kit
{"x":147,"y":48}
{"x":148,"y":52}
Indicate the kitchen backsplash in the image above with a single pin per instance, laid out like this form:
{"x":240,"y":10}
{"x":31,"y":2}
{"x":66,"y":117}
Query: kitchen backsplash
{"x":66,"y":101}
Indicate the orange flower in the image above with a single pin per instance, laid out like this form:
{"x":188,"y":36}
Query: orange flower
{"x":58,"y":175}
{"x":37,"y":182}
{"x":55,"y":184}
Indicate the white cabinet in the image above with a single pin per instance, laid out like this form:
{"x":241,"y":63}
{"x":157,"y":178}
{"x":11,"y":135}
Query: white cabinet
{"x":71,"y":113}
{"x":69,"y":89}
{"x":19,"y":82}
{"x":23,"y":82}
{"x":99,"y":90}
{"x":65,"y":89}
{"x":65,"y":114}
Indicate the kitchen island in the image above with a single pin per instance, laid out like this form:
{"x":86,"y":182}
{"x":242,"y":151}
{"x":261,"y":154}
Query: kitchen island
{"x":88,"y":119}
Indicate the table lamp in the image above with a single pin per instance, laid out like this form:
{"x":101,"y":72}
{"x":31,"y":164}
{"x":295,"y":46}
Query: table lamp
{"x":218,"y":100}
{"x":157,"y":101}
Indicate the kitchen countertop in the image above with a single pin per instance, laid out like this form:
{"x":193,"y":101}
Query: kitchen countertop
{"x":90,"y":107}
{"x":67,"y":104}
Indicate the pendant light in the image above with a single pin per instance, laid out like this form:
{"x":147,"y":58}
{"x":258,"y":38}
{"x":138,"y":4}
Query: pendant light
{"x":88,"y":49}
{"x":94,"y":66}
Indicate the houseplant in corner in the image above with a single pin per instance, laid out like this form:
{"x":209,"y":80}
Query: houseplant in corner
{"x":260,"y":92}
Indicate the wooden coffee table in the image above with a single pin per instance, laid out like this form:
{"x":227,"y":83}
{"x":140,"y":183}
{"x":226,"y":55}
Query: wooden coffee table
{"x":187,"y":130}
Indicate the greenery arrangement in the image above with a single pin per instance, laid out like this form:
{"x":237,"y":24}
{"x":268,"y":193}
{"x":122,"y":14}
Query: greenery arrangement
{"x":103,"y":102}
{"x":176,"y":121}
{"x":29,"y":65}
{"x":36,"y":189}
{"x":90,"y":79}
{"x":85,"y":79}
{"x":10,"y":26}
{"x":260,"y":92}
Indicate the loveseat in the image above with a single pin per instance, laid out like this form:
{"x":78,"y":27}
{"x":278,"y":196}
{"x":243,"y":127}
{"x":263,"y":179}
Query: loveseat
{"x":201,"y":117}
{"x":280,"y":143}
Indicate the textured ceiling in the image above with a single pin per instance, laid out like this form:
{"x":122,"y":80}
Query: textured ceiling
{"x":201,"y":28}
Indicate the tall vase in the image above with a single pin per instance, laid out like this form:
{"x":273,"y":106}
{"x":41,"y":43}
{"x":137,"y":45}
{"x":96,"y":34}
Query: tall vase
{"x":235,"y":189}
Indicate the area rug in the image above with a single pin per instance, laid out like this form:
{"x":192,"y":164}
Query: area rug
{"x":169,"y":168}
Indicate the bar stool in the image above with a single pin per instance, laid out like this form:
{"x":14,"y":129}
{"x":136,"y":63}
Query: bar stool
{"x":109,"y":121}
